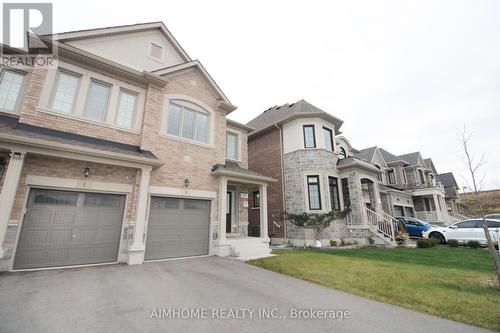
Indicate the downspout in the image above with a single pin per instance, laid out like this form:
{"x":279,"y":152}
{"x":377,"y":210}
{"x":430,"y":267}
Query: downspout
{"x":282,"y":178}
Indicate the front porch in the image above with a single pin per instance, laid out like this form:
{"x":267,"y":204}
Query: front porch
{"x":231,"y":235}
{"x":430,"y":208}
{"x":361,"y":192}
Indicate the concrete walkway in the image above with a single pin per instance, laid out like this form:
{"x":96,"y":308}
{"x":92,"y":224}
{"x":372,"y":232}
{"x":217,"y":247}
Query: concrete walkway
{"x":220,"y":293}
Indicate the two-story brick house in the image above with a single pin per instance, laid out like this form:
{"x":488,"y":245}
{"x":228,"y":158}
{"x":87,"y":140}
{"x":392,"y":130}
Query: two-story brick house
{"x":121,"y":153}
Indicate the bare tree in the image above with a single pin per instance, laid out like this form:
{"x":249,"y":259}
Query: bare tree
{"x":474,"y":166}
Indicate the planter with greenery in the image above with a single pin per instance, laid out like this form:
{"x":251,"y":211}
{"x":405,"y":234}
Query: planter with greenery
{"x":317,"y":222}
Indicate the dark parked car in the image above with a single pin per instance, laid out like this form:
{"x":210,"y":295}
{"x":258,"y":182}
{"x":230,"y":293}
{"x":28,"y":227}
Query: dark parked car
{"x":414,"y":226}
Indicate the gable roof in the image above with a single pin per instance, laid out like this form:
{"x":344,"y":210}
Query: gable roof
{"x":447,"y":179}
{"x":411,"y":158}
{"x":164,"y":72}
{"x":430,"y":164}
{"x":286,"y":112}
{"x":391,"y":158}
{"x":116,"y":30}
{"x":366,"y":154}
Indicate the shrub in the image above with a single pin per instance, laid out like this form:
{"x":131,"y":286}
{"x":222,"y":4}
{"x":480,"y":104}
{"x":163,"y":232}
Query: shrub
{"x":371,"y":241}
{"x":473,"y":244}
{"x":425,"y":243}
{"x":452,"y":243}
{"x":333,"y":242}
{"x":433,"y":241}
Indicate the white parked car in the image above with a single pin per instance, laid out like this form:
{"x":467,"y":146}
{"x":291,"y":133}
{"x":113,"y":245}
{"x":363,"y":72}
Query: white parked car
{"x":495,"y":216}
{"x":464,"y":231}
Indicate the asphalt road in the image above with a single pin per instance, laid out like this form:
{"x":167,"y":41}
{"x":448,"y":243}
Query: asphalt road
{"x":194,"y":295}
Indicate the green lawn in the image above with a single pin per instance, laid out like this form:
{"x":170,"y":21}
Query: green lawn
{"x":448,"y":282}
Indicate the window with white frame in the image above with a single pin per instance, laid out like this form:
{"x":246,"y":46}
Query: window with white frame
{"x":188,"y":120}
{"x":65,"y":89}
{"x":232,"y":146}
{"x":328,"y":137}
{"x":11,"y":83}
{"x":127,"y":106}
{"x":314,"y":192}
{"x":97,"y":101}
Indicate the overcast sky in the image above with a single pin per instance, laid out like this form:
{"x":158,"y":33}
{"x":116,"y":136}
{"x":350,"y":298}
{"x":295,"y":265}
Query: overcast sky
{"x":403,"y":75}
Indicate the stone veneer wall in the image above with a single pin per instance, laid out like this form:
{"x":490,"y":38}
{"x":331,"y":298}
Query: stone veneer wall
{"x":297,"y":165}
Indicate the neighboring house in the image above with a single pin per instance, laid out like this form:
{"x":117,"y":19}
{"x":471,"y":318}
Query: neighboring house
{"x":408,"y":185}
{"x":122,"y":153}
{"x":451,"y":189}
{"x":317,"y":171}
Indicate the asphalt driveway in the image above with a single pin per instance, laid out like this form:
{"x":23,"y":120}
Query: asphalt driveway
{"x":218,"y":295}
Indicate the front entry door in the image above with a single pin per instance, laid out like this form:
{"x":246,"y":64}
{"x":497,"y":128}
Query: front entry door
{"x":229,"y":212}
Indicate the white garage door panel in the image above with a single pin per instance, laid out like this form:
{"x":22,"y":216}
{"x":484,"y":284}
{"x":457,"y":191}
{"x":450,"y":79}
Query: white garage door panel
{"x":177,"y":228}
{"x":68,"y":228}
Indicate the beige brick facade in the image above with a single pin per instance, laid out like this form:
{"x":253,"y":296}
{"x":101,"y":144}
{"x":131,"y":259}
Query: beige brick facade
{"x":36,"y":165}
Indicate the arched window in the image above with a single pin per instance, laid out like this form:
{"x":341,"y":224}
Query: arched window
{"x":342,"y":153}
{"x":188,"y":120}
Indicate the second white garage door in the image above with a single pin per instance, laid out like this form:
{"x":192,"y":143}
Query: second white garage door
{"x":177,"y":228}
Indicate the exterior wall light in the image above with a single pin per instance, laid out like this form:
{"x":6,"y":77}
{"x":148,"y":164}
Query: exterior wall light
{"x":186,"y":182}
{"x":87,"y":172}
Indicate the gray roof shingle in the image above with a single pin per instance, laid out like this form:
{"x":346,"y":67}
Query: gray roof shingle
{"x":12,"y":126}
{"x":447,"y":179}
{"x":278,"y":113}
{"x":366,"y":154}
{"x":411,"y":158}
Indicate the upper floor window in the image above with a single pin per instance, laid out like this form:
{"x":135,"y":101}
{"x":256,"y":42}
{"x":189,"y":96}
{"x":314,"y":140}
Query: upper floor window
{"x":380,"y":176}
{"x":188,"y":120}
{"x":232,"y":146}
{"x":391,"y":175}
{"x":314,"y":192}
{"x":309,"y":137}
{"x":97,"y":100}
{"x":328,"y":136}
{"x":421,"y":176}
{"x":127,"y":106}
{"x":11,"y":83}
{"x":65,"y":92}
{"x":342,"y":153}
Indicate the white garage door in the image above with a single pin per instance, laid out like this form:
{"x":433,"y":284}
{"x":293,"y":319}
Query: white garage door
{"x":177,"y":228}
{"x":64,"y":228}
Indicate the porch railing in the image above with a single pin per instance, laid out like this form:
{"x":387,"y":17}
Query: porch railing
{"x":384,"y":223}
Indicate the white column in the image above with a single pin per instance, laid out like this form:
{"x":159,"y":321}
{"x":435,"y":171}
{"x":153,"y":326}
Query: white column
{"x":138,"y":247}
{"x":222,"y":208}
{"x":263,"y":211}
{"x":8,"y":194}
